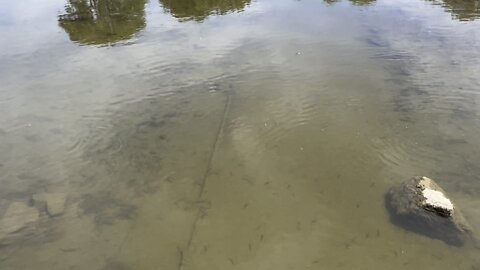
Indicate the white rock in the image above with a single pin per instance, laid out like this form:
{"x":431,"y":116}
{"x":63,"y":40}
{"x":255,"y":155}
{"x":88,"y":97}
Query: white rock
{"x":18,"y":216}
{"x":435,"y":198}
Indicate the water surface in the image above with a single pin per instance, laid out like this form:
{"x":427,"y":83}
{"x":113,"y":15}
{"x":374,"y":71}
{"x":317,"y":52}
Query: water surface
{"x":235,"y":134}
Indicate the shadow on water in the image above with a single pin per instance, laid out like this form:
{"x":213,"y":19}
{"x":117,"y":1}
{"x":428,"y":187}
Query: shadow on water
{"x":102,"y":21}
{"x":199,"y":10}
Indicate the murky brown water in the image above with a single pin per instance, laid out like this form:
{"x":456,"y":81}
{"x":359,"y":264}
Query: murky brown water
{"x":189,"y":134}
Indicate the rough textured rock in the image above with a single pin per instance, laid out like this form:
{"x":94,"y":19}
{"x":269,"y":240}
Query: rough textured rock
{"x":55,"y":202}
{"x":421,"y":206}
{"x":18,"y":216}
{"x":434,"y":198}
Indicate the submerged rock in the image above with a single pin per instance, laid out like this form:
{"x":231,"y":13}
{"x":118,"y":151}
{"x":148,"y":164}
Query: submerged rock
{"x":421,"y":206}
{"x":17,"y":217}
{"x":55,"y":202}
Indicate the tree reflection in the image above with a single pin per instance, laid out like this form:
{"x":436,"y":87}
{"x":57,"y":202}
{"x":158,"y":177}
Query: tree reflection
{"x":362,"y":2}
{"x":330,"y":2}
{"x":102,"y":21}
{"x":354,"y":2}
{"x":463,"y":10}
{"x":199,"y":10}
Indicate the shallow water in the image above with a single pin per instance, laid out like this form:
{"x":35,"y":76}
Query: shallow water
{"x":235,"y":134}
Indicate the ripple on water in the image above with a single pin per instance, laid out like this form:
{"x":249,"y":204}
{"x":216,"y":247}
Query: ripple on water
{"x":291,"y":110}
{"x":405,"y":155}
{"x":246,"y":139}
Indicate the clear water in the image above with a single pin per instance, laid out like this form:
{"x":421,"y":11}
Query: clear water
{"x":235,"y":134}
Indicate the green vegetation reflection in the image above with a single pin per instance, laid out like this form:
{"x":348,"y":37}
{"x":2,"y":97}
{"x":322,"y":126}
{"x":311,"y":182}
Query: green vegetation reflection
{"x":199,"y":10}
{"x":102,"y":21}
{"x":463,"y":10}
{"x":354,"y":2}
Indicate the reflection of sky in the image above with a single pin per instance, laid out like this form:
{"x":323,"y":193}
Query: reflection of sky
{"x":34,"y":46}
{"x":29,"y":25}
{"x":37,"y":22}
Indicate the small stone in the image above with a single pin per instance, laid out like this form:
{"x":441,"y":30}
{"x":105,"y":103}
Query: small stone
{"x":18,"y":216}
{"x":55,"y":202}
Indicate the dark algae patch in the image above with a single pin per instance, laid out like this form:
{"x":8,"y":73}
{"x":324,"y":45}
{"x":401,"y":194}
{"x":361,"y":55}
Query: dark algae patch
{"x":106,"y":208}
